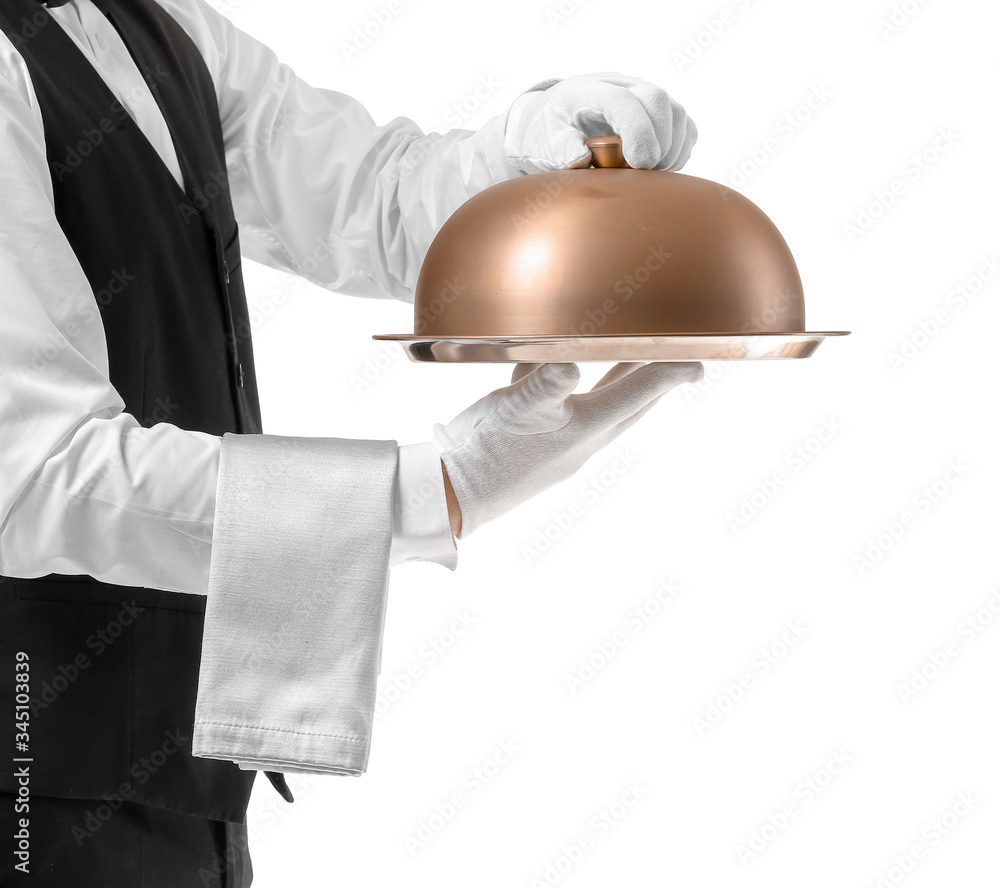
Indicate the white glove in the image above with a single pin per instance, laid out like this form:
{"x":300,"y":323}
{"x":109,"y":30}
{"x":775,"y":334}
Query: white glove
{"x":522,"y":439}
{"x":548,"y":125}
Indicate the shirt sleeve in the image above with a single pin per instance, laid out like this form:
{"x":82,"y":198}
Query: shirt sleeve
{"x":319,"y":189}
{"x":421,"y":529}
{"x":290,"y":537}
{"x":84,"y":489}
{"x":82,"y":486}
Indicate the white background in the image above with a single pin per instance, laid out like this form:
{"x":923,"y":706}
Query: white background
{"x":882,"y":93}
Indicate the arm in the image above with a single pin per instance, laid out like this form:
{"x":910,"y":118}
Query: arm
{"x":321,"y":190}
{"x":84,"y":489}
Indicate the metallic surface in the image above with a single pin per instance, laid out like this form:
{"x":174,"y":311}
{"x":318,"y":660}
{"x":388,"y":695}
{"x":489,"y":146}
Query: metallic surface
{"x":624,"y":260}
{"x":717,"y":347}
{"x":606,"y":152}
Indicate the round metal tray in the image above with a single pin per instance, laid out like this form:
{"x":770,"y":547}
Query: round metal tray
{"x":636,"y":347}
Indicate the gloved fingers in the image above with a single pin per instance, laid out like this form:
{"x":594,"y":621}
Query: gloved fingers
{"x":541,"y":135}
{"x":683,"y":134}
{"x":585,"y":161}
{"x":567,"y":141}
{"x":615,"y":373}
{"x":522,"y":370}
{"x":536,"y":391}
{"x":608,"y":108}
{"x":669,"y":123}
{"x":445,"y":439}
{"x":674,"y":132}
{"x":690,"y":137}
{"x":460,"y":428}
{"x":548,"y":129}
{"x":539,"y":401}
{"x":630,"y":421}
{"x":577,"y":111}
{"x":619,"y":428}
{"x":612,"y":403}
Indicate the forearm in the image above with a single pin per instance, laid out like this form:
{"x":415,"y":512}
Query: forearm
{"x":121,"y":503}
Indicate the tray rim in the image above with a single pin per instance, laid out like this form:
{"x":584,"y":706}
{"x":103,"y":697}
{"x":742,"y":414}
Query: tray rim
{"x":547,"y":337}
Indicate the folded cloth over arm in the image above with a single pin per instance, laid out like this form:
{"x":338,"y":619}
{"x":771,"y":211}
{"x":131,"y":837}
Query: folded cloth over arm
{"x":296,"y":603}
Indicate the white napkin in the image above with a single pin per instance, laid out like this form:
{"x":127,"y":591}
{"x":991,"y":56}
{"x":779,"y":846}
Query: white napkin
{"x":296,"y":603}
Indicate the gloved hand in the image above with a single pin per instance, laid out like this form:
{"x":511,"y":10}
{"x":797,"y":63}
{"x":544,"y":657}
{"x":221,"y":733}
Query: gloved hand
{"x":522,"y":439}
{"x":548,"y":125}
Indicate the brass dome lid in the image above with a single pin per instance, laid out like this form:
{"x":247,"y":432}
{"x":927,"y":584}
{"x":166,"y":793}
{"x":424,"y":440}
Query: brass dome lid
{"x":608,"y":251}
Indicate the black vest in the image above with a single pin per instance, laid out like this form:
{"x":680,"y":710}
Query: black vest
{"x":114,"y":669}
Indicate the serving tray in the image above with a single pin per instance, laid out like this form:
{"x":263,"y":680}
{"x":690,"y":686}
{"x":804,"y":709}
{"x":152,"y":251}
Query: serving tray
{"x":635,"y":347}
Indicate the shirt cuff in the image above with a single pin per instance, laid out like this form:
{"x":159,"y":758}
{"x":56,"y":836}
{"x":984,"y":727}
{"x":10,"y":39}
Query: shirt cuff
{"x":296,"y":603}
{"x":421,"y":530}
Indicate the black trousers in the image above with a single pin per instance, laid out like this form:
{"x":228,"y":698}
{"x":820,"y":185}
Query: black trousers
{"x":83,"y":843}
{"x":106,"y":678}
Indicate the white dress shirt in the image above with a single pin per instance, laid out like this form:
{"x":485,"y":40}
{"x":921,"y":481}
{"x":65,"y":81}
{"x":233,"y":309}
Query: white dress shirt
{"x":89,"y":490}
{"x":319,"y":190}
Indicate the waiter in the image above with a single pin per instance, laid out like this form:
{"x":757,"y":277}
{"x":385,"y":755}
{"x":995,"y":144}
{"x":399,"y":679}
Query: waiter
{"x":185,"y":601}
